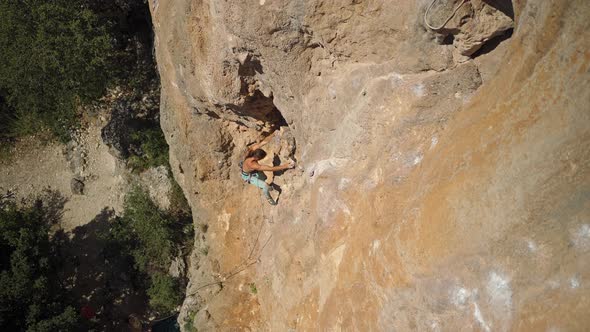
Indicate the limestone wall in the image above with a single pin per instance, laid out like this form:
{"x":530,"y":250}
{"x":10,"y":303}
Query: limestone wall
{"x":436,"y":189}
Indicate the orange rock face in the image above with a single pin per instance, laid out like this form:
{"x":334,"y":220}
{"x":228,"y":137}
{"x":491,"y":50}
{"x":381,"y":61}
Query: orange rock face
{"x":430,"y":194}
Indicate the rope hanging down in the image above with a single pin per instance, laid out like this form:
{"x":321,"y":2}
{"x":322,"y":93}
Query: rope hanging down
{"x":448,"y":19}
{"x":246,"y":263}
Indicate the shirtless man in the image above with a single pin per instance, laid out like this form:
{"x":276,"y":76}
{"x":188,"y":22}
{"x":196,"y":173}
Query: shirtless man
{"x":252,"y":170}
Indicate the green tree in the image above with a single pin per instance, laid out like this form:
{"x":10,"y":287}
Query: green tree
{"x":150,"y":236}
{"x":149,"y":227}
{"x":164,"y":292}
{"x":55,"y":57}
{"x":153,"y":146}
{"x":30,"y":295}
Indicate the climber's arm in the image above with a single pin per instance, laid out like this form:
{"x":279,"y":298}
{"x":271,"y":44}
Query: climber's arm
{"x":254,"y":165}
{"x":262,"y":143}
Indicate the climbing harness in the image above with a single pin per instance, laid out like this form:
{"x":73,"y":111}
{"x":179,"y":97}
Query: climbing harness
{"x":448,"y":19}
{"x":244,"y":174}
{"x":257,"y":176}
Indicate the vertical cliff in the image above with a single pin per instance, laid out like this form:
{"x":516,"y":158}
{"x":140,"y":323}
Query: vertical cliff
{"x":443,"y":176}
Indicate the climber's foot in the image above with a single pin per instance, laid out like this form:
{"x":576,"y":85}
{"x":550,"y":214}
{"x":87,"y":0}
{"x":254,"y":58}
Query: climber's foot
{"x":271,"y":201}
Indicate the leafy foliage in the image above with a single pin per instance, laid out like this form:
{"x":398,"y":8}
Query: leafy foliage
{"x":133,"y":64}
{"x":55,"y":56}
{"x":164,"y":292}
{"x":253,"y":288}
{"x":151,"y":229}
{"x":61,"y":54}
{"x":153,"y":149}
{"x":30,"y":295}
{"x":150,"y":237}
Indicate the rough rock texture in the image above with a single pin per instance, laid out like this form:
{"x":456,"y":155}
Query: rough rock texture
{"x":157,"y":183}
{"x":423,"y":199}
{"x":77,"y":186}
{"x":485,"y":22}
{"x":473,"y":24}
{"x":128,"y":113}
{"x":178,"y":267}
{"x":115,"y":134}
{"x":82,"y":177}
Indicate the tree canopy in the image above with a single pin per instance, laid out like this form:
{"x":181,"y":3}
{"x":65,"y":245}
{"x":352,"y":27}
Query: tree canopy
{"x":31,"y":296}
{"x":55,"y":56}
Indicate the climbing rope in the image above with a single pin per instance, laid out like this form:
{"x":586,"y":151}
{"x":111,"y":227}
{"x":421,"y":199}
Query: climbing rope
{"x":253,"y":257}
{"x":448,"y":19}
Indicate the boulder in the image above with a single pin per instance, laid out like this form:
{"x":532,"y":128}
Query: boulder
{"x":177,"y":267}
{"x":115,"y":134}
{"x":77,"y":186}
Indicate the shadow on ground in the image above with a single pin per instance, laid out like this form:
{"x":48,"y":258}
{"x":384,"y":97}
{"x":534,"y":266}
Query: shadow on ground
{"x":103,"y":284}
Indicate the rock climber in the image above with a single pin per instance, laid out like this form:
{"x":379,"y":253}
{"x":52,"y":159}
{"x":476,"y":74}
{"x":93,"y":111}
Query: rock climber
{"x":252,"y":170}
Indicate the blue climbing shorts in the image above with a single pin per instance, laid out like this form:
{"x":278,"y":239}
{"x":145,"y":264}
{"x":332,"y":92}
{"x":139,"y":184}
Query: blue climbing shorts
{"x":255,"y":178}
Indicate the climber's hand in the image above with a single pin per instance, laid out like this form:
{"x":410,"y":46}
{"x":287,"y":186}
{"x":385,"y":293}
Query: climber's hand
{"x":268,"y":138}
{"x":292,"y":164}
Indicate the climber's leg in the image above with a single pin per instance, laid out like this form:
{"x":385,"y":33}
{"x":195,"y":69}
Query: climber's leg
{"x":259,"y":182}
{"x":266,"y":191}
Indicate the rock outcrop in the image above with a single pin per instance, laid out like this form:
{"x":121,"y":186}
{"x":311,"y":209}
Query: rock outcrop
{"x":468,"y":25}
{"x":432,"y":192}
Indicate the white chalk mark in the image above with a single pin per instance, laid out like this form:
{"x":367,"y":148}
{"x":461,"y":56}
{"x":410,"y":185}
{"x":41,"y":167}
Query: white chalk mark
{"x":433,"y":142}
{"x":553,"y":284}
{"x":395,"y":78}
{"x":532,"y":245}
{"x":224,"y":217}
{"x":418,"y":159}
{"x":332,"y":91}
{"x":343,"y":184}
{"x":581,"y":237}
{"x":434,"y":326}
{"x":498,"y":287}
{"x":479,"y":317}
{"x":419,"y":90}
{"x":574,"y":282}
{"x":329,"y":273}
{"x":460,"y":296}
{"x":318,"y":168}
{"x":375,"y":245}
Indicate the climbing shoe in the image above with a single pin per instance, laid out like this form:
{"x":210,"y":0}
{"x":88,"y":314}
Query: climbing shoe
{"x":271,"y":201}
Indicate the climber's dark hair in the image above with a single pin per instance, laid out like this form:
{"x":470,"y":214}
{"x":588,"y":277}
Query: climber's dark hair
{"x":258,"y":154}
